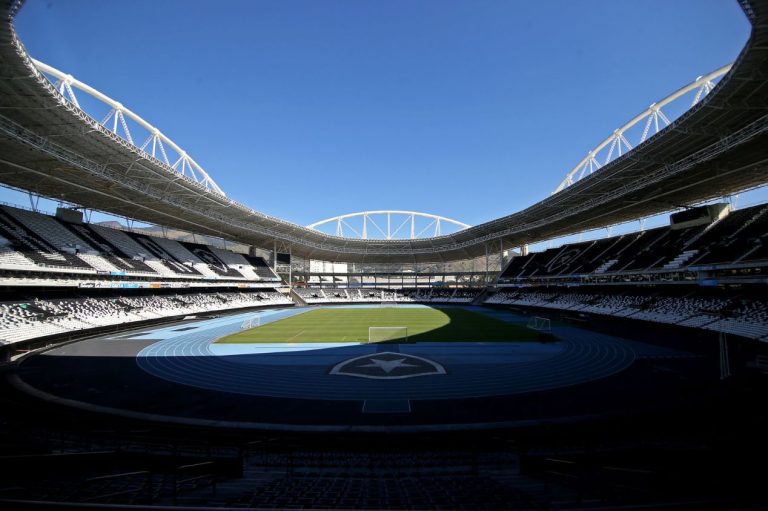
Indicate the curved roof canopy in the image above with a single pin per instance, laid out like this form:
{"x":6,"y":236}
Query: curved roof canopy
{"x":49,"y":146}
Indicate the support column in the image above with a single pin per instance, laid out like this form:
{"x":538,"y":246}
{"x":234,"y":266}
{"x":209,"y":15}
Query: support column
{"x":34,"y":201}
{"x":725,"y":364}
{"x":274,"y":256}
{"x":501,"y":254}
{"x":290,"y":266}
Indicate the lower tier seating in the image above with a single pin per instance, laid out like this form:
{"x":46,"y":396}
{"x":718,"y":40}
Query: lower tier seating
{"x":28,"y":319}
{"x":744,"y":313}
{"x":431,"y":295}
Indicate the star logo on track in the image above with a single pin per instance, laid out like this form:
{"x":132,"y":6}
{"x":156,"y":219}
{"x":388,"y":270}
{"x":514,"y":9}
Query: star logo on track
{"x":388,"y":366}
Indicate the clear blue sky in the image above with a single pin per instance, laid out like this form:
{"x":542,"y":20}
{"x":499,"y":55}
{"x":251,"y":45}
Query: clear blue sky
{"x":308,"y":109}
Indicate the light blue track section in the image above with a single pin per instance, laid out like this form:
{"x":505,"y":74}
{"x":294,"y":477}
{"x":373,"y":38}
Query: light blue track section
{"x":231,"y":323}
{"x":474,"y":369}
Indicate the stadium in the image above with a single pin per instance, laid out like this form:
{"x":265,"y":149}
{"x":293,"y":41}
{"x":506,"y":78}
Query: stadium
{"x":195,"y":353}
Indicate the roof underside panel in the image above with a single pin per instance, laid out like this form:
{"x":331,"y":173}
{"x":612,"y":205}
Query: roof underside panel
{"x":50,"y":148}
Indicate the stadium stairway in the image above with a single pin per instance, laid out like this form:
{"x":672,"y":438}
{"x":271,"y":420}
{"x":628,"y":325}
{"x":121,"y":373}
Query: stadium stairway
{"x":479,"y":299}
{"x":296,"y":297}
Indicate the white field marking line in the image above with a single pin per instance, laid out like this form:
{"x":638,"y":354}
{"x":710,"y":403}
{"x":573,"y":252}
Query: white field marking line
{"x":295,"y":336}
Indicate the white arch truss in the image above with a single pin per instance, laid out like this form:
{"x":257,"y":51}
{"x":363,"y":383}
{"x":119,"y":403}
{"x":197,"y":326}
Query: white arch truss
{"x":395,"y":224}
{"x":153,"y":142}
{"x":624,"y":139}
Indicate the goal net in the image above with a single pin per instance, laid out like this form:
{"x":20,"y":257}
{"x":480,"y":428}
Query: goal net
{"x":387,"y":333}
{"x":251,"y":322}
{"x":539,"y":324}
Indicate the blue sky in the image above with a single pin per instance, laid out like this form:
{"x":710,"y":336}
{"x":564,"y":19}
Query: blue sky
{"x":309,"y":109}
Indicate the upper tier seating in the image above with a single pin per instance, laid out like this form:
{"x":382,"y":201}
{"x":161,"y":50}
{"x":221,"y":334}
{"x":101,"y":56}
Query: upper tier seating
{"x":37,"y":247}
{"x":211,"y":261}
{"x":740,"y":237}
{"x":132,"y":249}
{"x":38,"y":242}
{"x":262,"y":269}
{"x":106,"y":250}
{"x":236,"y":262}
{"x":172,"y":255}
{"x":10,"y":258}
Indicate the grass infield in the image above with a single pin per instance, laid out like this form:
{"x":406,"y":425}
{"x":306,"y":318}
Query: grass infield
{"x":351,"y":325}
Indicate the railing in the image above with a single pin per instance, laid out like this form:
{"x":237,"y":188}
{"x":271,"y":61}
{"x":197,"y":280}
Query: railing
{"x":145,"y":488}
{"x":190,"y":477}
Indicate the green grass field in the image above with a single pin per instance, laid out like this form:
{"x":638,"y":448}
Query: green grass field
{"x":351,"y":325}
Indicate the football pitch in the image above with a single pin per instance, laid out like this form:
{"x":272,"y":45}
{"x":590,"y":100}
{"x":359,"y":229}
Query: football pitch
{"x":424,"y":324}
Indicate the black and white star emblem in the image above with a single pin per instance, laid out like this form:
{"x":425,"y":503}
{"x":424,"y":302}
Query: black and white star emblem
{"x":388,"y":366}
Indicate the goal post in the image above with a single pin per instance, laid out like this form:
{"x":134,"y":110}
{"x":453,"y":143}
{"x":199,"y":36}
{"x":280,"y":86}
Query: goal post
{"x":387,"y":333}
{"x":540,"y":324}
{"x":251,"y":322}
{"x":543,"y":327}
